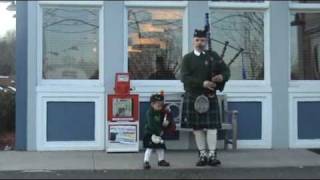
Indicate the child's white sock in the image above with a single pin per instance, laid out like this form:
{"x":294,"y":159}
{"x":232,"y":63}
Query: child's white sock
{"x":160,"y":153}
{"x":147,"y":155}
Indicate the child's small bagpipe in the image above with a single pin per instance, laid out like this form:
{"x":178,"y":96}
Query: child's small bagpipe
{"x":167,"y":115}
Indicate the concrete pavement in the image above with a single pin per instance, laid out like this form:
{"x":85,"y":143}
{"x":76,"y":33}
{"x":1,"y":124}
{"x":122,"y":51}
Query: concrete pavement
{"x":99,"y":160}
{"x":206,"y":173}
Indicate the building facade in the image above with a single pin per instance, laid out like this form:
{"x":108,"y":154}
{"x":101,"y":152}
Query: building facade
{"x":68,"y":53}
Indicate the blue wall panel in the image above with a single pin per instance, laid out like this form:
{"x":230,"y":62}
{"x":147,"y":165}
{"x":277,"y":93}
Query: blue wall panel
{"x":70,"y":121}
{"x":249,"y":120}
{"x":308,"y":120}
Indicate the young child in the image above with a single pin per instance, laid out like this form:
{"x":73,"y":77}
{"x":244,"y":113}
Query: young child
{"x":158,"y":120}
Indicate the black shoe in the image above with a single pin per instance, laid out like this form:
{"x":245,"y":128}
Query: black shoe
{"x":146,"y":165}
{"x":213,"y":161}
{"x":163,"y":163}
{"x":202,"y":161}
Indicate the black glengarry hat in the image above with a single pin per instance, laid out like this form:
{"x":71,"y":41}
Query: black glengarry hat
{"x":199,"y":33}
{"x":156,"y":97}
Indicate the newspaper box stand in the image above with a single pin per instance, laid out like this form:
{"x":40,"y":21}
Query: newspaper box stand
{"x":122,"y":131}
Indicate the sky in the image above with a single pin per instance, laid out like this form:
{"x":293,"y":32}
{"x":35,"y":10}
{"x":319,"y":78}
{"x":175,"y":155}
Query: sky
{"x":7,"y":21}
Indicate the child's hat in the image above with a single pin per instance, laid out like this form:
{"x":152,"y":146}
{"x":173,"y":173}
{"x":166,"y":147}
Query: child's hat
{"x":156,"y":97}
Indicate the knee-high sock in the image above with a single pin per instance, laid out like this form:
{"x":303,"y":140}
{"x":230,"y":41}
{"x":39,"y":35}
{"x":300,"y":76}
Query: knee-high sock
{"x":200,"y":139}
{"x":160,"y":153}
{"x":147,"y":155}
{"x":212,"y":141}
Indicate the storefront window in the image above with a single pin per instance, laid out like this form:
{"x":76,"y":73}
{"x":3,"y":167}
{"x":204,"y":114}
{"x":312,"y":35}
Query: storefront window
{"x":305,"y":46}
{"x":242,"y":30}
{"x":70,"y":43}
{"x":154,"y":42}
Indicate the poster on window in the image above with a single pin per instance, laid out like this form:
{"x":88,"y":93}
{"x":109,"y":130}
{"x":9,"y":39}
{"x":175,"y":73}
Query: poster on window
{"x":123,"y":134}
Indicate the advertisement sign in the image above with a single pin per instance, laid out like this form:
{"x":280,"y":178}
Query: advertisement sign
{"x":123,"y":134}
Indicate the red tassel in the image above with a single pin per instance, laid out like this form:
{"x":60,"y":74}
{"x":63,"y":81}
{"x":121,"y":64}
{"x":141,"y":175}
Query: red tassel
{"x":162,"y":93}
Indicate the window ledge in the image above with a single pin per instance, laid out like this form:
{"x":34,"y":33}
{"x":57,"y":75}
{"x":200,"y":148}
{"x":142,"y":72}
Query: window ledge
{"x":70,"y":89}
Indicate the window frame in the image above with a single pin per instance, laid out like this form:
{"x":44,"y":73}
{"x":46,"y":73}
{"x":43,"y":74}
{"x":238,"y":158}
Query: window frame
{"x":148,"y":86}
{"x":264,"y":7}
{"x":66,"y":82}
{"x":301,"y":85}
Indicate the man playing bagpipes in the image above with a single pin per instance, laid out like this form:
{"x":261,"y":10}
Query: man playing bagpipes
{"x":202,"y":73}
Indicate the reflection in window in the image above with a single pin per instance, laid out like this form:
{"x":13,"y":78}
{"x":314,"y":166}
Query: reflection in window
{"x":305,"y":46}
{"x":242,"y":30}
{"x":154,"y":42}
{"x":70,"y":43}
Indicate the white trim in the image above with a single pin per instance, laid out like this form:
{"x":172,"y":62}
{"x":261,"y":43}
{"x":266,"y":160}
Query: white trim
{"x":125,"y":44}
{"x":84,"y":3}
{"x":295,"y":142}
{"x":304,"y":86}
{"x":41,"y":128}
{"x":296,"y":6}
{"x":185,"y":32}
{"x":267,"y":51}
{"x":156,"y":3}
{"x":239,"y":5}
{"x":64,"y":82}
{"x":71,"y":89}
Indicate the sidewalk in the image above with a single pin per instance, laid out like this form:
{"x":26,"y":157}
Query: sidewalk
{"x":99,"y":160}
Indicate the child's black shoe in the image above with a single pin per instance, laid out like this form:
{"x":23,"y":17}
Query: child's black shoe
{"x":163,"y":163}
{"x":146,"y":165}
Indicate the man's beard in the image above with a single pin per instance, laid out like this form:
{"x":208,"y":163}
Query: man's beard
{"x":201,"y":47}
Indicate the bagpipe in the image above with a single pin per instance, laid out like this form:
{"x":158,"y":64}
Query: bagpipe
{"x":170,"y":128}
{"x":217,"y":68}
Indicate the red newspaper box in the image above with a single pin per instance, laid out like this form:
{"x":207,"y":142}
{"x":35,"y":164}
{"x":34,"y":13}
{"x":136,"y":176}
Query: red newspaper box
{"x":122,"y":83}
{"x":123,"y":106}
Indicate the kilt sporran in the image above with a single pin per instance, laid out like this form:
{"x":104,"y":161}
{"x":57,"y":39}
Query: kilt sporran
{"x":199,"y":118}
{"x":201,"y":104}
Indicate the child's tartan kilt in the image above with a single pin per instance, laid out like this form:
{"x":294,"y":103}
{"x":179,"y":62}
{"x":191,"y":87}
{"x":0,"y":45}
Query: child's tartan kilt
{"x":192,"y":119}
{"x":147,"y":143}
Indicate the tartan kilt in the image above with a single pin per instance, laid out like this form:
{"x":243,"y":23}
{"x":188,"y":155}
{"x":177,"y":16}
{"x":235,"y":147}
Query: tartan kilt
{"x":195,"y":120}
